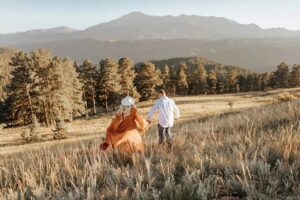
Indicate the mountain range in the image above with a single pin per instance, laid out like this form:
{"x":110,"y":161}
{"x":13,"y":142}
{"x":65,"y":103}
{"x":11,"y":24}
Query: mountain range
{"x":146,"y":37}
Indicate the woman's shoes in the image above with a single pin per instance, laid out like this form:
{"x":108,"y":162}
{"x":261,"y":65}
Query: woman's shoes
{"x":104,"y":146}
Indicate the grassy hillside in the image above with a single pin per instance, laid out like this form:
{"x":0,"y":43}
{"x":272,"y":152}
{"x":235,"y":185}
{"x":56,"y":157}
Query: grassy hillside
{"x":255,"y":54}
{"x":92,"y":128}
{"x":252,"y":153}
{"x":7,"y":50}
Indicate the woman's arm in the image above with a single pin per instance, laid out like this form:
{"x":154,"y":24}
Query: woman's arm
{"x":142,"y":123}
{"x":113,"y":127}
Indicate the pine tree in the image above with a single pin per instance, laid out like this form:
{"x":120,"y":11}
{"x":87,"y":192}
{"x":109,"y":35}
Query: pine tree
{"x":282,"y":75}
{"x":249,"y":82}
{"x":21,"y":89}
{"x":56,"y":92}
{"x":4,"y":75}
{"x":65,"y":93}
{"x":198,"y":80}
{"x":241,"y":80}
{"x":41,"y":61}
{"x":182,"y":83}
{"x":172,"y":83}
{"x":232,"y":80}
{"x":212,"y":81}
{"x":74,"y":88}
{"x":165,"y":76}
{"x":295,"y":76}
{"x":59,"y":96}
{"x":273,"y":83}
{"x":88,"y":77}
{"x":109,"y":82}
{"x":158,"y":72}
{"x":43,"y":86}
{"x":221,"y":84}
{"x":147,"y":81}
{"x":2,"y":85}
{"x":257,"y":82}
{"x":265,"y":79}
{"x":127,"y":72}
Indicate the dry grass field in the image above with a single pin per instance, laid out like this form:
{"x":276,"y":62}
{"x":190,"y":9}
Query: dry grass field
{"x":250,"y":150}
{"x":94,"y":128}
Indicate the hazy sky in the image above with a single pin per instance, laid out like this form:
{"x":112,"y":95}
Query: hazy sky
{"x":21,"y":15}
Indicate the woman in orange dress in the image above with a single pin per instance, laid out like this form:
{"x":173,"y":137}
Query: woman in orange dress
{"x":125,"y":130}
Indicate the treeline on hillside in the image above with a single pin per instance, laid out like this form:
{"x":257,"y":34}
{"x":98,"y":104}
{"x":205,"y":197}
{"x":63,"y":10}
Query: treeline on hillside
{"x":39,"y":87}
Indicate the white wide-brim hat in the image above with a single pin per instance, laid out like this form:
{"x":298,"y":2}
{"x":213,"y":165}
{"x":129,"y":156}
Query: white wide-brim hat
{"x":128,"y":101}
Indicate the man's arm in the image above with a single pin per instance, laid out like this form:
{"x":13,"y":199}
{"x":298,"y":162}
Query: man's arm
{"x":176,"y":110}
{"x":153,"y":110}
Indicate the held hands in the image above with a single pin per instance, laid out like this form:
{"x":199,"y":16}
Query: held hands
{"x":119,"y":113}
{"x":149,"y":121}
{"x":104,"y":146}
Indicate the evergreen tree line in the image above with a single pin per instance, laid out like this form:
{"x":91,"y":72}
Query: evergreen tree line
{"x":49,"y":89}
{"x":195,"y":80}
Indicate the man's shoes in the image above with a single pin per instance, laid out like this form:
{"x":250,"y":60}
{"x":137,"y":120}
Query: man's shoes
{"x":170,"y":146}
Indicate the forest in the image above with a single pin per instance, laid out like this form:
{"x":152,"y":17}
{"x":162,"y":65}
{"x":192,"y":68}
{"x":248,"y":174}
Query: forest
{"x":39,"y":88}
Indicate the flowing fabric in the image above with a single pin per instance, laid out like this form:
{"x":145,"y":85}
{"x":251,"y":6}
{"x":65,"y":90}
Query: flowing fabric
{"x":124,"y":133}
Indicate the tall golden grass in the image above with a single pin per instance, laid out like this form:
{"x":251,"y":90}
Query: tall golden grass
{"x":251,"y":154}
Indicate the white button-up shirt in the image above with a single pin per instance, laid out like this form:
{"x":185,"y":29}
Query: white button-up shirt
{"x":167,"y":108}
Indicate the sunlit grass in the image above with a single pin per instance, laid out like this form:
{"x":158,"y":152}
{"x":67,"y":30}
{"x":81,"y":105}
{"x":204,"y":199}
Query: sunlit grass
{"x":191,"y":107}
{"x":253,"y":154}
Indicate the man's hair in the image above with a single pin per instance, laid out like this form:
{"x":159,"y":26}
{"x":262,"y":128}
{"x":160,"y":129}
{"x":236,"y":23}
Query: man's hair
{"x":162,"y":91}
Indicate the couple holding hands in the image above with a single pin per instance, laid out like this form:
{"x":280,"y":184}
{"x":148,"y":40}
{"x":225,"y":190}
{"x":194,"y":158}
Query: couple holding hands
{"x":125,"y":130}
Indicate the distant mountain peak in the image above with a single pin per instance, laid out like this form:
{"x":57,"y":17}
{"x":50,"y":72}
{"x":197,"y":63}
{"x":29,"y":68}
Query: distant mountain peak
{"x":138,"y":25}
{"x":60,"y":29}
{"x":135,"y":14}
{"x":63,"y":29}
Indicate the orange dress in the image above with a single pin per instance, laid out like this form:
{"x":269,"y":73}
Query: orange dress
{"x":124,"y":134}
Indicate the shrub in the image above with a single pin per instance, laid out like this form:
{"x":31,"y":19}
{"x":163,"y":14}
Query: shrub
{"x":61,"y":130}
{"x":32,"y":133}
{"x":284,"y":97}
{"x":297,"y":95}
{"x":230,"y":104}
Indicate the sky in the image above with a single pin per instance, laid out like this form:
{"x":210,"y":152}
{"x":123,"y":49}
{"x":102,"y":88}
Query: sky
{"x":22,"y":15}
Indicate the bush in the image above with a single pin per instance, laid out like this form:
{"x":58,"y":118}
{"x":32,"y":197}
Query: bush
{"x":61,"y":130}
{"x":297,"y":95}
{"x":230,"y":104}
{"x":32,"y":133}
{"x":284,"y":97}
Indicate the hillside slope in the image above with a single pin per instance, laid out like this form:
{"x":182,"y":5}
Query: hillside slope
{"x":254,"y":54}
{"x":249,"y":154}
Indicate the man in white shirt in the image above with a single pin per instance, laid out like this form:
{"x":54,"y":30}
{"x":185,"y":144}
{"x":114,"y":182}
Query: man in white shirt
{"x":167,"y":108}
